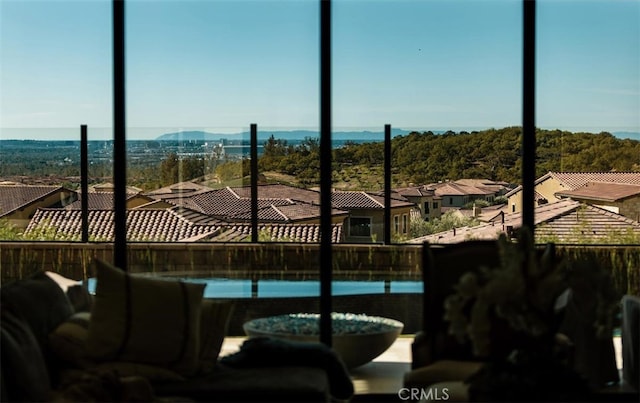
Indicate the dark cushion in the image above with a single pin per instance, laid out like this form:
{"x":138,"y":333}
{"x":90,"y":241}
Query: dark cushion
{"x":40,"y":302}
{"x":42,"y":305}
{"x":24,"y":371}
{"x":260,"y":352}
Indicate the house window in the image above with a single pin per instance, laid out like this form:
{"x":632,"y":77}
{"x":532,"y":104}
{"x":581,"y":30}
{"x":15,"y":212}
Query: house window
{"x":404,"y":223}
{"x":513,"y":208}
{"x":360,"y":226}
{"x":426,"y":207}
{"x":435,"y":205}
{"x":451,"y":201}
{"x":396,"y":223}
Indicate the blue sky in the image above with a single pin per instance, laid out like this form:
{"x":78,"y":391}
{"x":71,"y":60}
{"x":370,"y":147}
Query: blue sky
{"x":221,"y":65}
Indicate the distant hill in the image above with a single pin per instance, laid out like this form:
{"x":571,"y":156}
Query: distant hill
{"x":627,"y":135}
{"x":283,"y":135}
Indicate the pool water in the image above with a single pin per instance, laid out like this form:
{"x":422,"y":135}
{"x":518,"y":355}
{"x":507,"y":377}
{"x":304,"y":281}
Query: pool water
{"x":228,"y":288}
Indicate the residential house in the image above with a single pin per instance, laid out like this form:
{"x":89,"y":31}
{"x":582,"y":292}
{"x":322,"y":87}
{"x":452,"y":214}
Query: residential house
{"x":620,"y":198}
{"x":18,"y":202}
{"x":365,"y":222}
{"x":428,"y":205}
{"x":549,"y":188}
{"x":361,"y":213}
{"x":454,"y":194}
{"x":565,"y":221}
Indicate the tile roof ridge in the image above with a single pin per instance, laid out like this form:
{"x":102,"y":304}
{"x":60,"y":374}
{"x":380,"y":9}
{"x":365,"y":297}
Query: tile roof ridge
{"x":610,"y":183}
{"x":372,"y":198}
{"x":233,"y":192}
{"x":172,"y":211}
{"x":52,"y":189}
{"x":279,"y":212}
{"x":611,"y":214}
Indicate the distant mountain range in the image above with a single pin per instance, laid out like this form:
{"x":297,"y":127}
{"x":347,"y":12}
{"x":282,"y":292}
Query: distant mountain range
{"x":282,"y":135}
{"x":297,"y":135}
{"x":627,"y":135}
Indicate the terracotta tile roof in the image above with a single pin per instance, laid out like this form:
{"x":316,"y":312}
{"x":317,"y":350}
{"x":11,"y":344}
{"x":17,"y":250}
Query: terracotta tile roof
{"x":195,"y":217}
{"x":97,"y":201}
{"x":479,"y":182}
{"x":590,"y":223}
{"x":167,"y":225}
{"x":226,"y":203}
{"x":176,"y":224}
{"x":180,"y":188}
{"x":309,"y":233}
{"x":294,"y":211}
{"x":278,"y":191}
{"x":457,"y":189}
{"x":415,"y":191}
{"x":276,"y":202}
{"x":574,"y":180}
{"x":345,"y":200}
{"x":602,"y":191}
{"x":13,"y":197}
{"x":566,"y":221}
{"x":110,"y":187}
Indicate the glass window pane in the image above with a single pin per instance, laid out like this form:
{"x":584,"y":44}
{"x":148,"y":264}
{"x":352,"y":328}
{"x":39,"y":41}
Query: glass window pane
{"x":588,"y":111}
{"x":56,"y":75}
{"x":198,"y":74}
{"x":447,"y":75}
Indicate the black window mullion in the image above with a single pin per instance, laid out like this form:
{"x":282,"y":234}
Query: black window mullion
{"x":84,"y":183}
{"x":387,"y":184}
{"x":528,"y":113}
{"x":254,"y":182}
{"x":119,"y":139}
{"x":326,"y":260}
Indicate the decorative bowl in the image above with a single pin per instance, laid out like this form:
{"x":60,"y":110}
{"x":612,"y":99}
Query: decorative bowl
{"x":357,"y":338}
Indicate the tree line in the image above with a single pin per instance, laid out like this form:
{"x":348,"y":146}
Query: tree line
{"x":427,"y":157}
{"x":418,"y":157}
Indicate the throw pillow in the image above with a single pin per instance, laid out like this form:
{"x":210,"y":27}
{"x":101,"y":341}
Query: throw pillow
{"x":213,"y":329}
{"x":145,"y":320}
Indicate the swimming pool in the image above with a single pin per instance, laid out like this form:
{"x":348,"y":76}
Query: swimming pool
{"x":233,"y":288}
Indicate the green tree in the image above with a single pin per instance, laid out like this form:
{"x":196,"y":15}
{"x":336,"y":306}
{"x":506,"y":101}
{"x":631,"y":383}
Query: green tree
{"x":169,"y":169}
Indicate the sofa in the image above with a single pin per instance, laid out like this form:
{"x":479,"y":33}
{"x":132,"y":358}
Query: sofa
{"x":141,"y":338}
